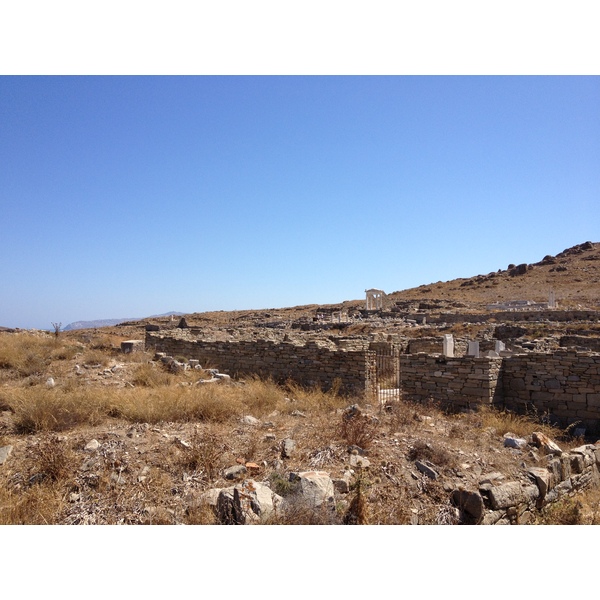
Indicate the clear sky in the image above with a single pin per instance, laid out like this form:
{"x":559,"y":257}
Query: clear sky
{"x":131,"y":196}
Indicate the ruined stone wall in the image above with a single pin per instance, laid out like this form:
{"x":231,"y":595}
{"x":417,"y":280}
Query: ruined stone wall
{"x":311,"y":364}
{"x":564,"y":385}
{"x":514,"y":315}
{"x":499,"y":502}
{"x":461,"y":382}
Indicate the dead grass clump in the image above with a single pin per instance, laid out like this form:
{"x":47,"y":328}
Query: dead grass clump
{"x":260,"y":396}
{"x":37,"y":505}
{"x":53,"y":460}
{"x":567,"y":511}
{"x":39,"y":409}
{"x":65,"y":352}
{"x":358,"y":430}
{"x":439,"y":456}
{"x":204,"y":456}
{"x":298,"y":511}
{"x":148,"y":375}
{"x":95,"y":358}
{"x":358,"y":512}
{"x":314,"y":399}
{"x":202,"y":514}
{"x":212,"y":403}
{"x":25,"y":354}
{"x":507,"y":422}
{"x":401,"y":414}
{"x":590,"y":501}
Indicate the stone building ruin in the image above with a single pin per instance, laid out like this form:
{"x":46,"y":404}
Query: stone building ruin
{"x":374,"y":300}
{"x":564,"y":384}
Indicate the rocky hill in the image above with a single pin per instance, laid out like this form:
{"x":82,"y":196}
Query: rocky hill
{"x":573,"y":274}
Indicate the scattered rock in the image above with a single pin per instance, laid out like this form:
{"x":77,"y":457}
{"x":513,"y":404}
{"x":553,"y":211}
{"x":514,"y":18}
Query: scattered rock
{"x":427,"y":469}
{"x":5,"y":453}
{"x":545,"y":444}
{"x":92,"y":446}
{"x":297,"y":413}
{"x":510,"y":441}
{"x":287,"y":448}
{"x":235,"y":472}
{"x":512,"y":494}
{"x":315,"y":487}
{"x":250,"y":420}
{"x":470,"y":504}
{"x":245,"y":503}
{"x":542,"y":480}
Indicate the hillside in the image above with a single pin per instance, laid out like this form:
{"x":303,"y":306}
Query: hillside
{"x":573,"y":274}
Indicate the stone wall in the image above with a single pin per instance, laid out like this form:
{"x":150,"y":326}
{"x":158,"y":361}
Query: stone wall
{"x":564,"y":385}
{"x":499,"y":502}
{"x":311,"y":364}
{"x":513,"y":315}
{"x":460,"y":382}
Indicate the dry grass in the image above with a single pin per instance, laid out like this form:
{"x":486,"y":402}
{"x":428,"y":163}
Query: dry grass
{"x":358,"y":430}
{"x":433,"y":452}
{"x":37,"y":408}
{"x":27,"y":355}
{"x":37,"y":505}
{"x":205,"y":455}
{"x":508,"y":422}
{"x":150,"y":375}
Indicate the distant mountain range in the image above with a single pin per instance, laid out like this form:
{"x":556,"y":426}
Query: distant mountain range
{"x":111,"y":322}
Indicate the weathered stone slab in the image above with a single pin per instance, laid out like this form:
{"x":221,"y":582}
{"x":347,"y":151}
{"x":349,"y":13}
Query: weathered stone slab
{"x":542,"y":478}
{"x":427,"y":469}
{"x":512,"y":494}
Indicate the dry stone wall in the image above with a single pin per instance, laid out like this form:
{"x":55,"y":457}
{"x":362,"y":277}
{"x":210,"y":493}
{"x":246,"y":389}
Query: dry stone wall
{"x":511,"y":316}
{"x":461,"y":382}
{"x":564,"y":385}
{"x":311,"y":364}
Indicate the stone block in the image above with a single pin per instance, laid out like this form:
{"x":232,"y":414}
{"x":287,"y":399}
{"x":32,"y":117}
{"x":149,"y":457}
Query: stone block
{"x":132,"y":346}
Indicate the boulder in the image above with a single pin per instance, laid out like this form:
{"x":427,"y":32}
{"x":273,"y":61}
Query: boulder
{"x":132,"y":346}
{"x":510,"y":441}
{"x":247,"y":502}
{"x":235,"y":472}
{"x":470,"y":504}
{"x":427,"y":469}
{"x":316,"y":487}
{"x":92,"y":446}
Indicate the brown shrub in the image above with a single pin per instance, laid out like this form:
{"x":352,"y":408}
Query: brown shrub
{"x":357,"y":430}
{"x":434,"y":453}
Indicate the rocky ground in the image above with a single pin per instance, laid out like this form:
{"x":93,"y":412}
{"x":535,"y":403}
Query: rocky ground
{"x":305,"y":462}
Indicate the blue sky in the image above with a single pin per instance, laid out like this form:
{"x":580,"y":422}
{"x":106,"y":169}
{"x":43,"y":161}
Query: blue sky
{"x":131,"y":196}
